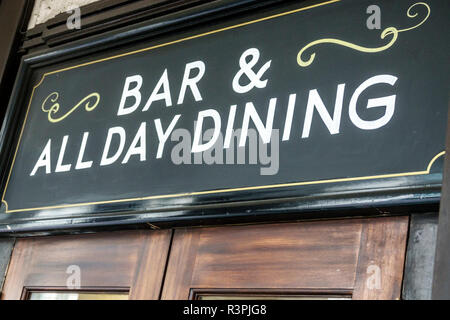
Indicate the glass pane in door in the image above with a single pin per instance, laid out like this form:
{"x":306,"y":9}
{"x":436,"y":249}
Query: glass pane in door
{"x":45,"y":295}
{"x":271,"y":297}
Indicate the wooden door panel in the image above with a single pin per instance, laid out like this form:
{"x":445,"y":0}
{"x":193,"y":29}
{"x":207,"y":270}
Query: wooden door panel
{"x":292,"y":249}
{"x":321,"y":256}
{"x":132,"y":261}
{"x":362,"y":258}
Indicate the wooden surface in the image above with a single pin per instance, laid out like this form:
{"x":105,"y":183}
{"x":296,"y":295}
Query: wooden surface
{"x":326,"y":256}
{"x":98,"y":17}
{"x":381,"y":259}
{"x":123,"y":261}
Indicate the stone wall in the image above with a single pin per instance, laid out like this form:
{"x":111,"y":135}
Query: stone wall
{"x":44,"y":10}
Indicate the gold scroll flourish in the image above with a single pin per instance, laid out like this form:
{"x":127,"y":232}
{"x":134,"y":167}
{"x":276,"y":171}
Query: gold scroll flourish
{"x":386,"y":32}
{"x":54,"y":108}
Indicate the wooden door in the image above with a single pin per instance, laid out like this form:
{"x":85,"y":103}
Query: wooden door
{"x":338,"y":259}
{"x":358,"y":259}
{"x":112,"y":265}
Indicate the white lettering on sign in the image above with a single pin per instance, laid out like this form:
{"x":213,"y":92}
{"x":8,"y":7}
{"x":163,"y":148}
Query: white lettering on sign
{"x":122,"y":147}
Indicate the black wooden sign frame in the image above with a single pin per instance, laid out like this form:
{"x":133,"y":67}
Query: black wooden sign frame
{"x":357,"y":197}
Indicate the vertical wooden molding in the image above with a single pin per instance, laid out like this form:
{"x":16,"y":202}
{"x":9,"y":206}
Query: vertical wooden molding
{"x":150,"y":268}
{"x":181,"y":264}
{"x":381,"y":259}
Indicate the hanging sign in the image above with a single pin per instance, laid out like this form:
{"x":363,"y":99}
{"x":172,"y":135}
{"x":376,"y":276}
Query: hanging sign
{"x":313,"y":95}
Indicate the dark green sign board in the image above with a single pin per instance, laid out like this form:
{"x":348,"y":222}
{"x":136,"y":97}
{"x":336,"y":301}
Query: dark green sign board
{"x":300,"y":96}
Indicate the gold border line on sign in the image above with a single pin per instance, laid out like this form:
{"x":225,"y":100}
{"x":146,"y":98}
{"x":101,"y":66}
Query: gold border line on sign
{"x":427,"y":171}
